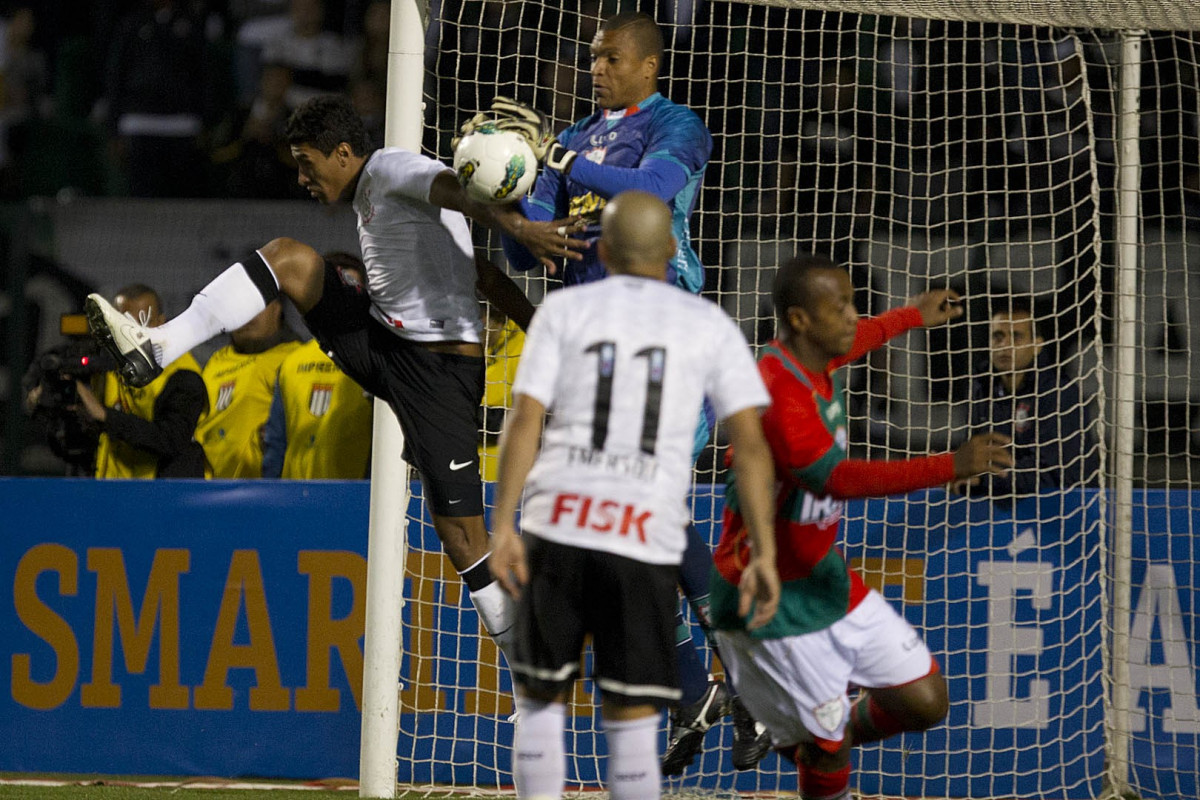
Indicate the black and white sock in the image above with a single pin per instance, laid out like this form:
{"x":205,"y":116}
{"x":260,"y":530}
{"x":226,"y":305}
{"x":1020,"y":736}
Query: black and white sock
{"x":492,"y":603}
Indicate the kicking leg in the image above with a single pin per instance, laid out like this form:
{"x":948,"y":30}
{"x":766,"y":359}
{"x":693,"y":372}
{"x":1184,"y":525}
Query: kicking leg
{"x":230,"y":300}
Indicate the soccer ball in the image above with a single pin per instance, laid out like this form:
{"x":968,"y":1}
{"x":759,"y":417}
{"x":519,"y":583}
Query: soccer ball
{"x":493,"y":165}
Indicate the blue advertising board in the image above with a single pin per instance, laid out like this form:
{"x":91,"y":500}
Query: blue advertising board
{"x":214,"y":628}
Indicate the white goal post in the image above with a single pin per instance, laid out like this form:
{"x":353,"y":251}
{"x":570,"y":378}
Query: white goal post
{"x":1044,"y":150}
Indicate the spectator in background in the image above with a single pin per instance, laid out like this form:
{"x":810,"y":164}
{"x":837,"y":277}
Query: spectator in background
{"x":369,"y":98}
{"x":158,"y":97}
{"x":241,"y":381}
{"x":1054,"y":133}
{"x":371,"y":60}
{"x":833,"y":179}
{"x":256,"y":22}
{"x":255,"y":160}
{"x":24,"y":75}
{"x":319,"y":58}
{"x":319,"y":426}
{"x":503,"y":342}
{"x":148,"y":432}
{"x":1027,"y":398}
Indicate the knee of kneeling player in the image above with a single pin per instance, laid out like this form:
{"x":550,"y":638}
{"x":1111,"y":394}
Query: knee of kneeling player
{"x":932,"y":706}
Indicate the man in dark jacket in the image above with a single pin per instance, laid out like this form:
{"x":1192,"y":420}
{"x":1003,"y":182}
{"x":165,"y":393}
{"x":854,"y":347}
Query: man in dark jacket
{"x":1026,"y":396}
{"x":148,"y":432}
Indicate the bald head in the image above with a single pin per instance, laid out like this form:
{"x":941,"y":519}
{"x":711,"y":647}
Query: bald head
{"x":635,"y":236}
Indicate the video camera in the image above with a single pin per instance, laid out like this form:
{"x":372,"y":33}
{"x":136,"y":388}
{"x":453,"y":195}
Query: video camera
{"x":51,"y":380}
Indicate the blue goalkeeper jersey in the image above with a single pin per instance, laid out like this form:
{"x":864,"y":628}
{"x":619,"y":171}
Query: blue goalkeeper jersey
{"x":656,"y":146}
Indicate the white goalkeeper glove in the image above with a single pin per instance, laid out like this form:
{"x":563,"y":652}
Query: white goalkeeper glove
{"x":468,"y":128}
{"x":513,"y":115}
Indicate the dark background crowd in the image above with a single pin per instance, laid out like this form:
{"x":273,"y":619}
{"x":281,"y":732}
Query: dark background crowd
{"x":94,"y":93}
{"x":881,"y":141}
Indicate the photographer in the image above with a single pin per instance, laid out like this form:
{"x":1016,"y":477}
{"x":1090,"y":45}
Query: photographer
{"x":147,"y":432}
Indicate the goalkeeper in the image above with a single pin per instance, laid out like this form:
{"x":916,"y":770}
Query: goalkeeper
{"x":636,"y":139}
{"x":831,"y":632}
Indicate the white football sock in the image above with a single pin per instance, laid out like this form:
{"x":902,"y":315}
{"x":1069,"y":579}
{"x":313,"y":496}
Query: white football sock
{"x":495,"y":609}
{"x":539,"y":757}
{"x":633,"y":770}
{"x":227,"y":303}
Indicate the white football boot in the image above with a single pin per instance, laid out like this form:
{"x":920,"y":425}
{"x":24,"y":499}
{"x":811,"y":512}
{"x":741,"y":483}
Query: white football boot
{"x":126,"y":340}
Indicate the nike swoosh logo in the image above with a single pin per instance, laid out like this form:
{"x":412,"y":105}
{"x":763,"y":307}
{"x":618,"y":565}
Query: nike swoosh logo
{"x":454,"y":465}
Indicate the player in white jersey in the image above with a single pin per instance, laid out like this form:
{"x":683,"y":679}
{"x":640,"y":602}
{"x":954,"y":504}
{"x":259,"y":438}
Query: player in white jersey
{"x":412,"y":340}
{"x":624,"y":364}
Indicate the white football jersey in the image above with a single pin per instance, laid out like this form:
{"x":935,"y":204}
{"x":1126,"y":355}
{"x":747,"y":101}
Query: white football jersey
{"x":419,"y":257}
{"x":624,"y":365}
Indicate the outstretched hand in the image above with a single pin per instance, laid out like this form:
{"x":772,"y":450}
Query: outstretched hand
{"x":938,"y":306}
{"x":547,"y":241}
{"x":983,"y":453}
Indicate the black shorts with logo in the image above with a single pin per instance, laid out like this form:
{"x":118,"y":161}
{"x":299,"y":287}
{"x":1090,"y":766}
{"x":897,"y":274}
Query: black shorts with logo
{"x":436,"y":396}
{"x":628,"y":608}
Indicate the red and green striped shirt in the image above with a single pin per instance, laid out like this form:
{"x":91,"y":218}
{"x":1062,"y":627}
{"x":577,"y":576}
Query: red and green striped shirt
{"x":806,"y":429}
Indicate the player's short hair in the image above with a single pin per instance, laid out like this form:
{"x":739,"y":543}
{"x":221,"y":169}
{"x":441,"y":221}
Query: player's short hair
{"x":326,"y":121}
{"x":793,"y":282}
{"x":133,"y":290}
{"x":642,"y":27}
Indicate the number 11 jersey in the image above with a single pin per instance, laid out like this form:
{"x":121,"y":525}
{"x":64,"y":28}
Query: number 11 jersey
{"x":623,"y":366}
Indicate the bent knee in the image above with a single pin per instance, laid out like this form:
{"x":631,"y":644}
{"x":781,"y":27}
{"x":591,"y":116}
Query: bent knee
{"x":291,"y":256}
{"x":932,"y":705}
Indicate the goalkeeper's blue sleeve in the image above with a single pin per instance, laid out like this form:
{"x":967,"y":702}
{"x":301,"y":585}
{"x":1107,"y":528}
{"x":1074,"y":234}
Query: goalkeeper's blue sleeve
{"x":518,"y":256}
{"x":660,"y":177}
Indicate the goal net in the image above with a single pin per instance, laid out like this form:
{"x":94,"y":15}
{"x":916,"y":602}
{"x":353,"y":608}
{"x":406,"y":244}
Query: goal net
{"x":981,"y":146}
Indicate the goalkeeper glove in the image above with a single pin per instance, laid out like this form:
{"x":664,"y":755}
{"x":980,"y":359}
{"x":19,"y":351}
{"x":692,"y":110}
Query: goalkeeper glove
{"x":468,"y":128}
{"x":513,"y":115}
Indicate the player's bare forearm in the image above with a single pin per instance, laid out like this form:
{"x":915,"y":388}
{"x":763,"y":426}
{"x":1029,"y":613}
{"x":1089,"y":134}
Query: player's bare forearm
{"x":547,"y":241}
{"x":755,"y":487}
{"x":519,"y":445}
{"x":502,"y":292}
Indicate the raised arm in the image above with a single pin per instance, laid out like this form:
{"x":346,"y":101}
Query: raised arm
{"x":546,"y":241}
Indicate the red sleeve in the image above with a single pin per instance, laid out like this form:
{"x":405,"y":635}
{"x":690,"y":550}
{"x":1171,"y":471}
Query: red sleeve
{"x":858,"y":478}
{"x":872,"y":332}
